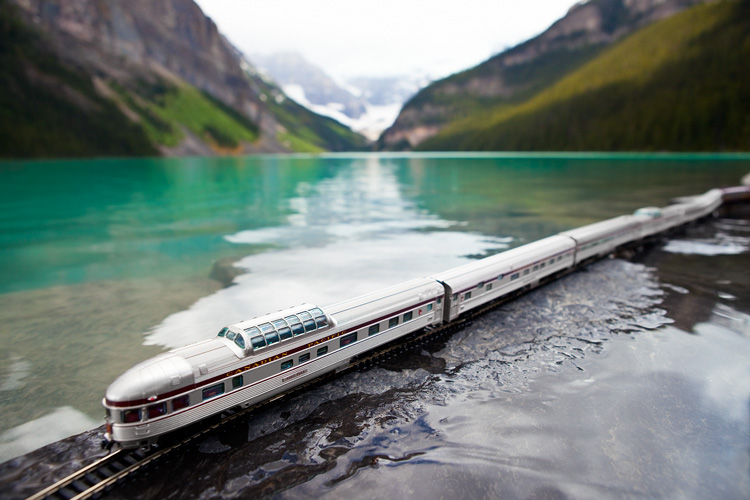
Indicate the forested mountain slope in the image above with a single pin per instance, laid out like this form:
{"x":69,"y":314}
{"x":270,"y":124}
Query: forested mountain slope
{"x":681,"y":84}
{"x":521,"y":72}
{"x":104,"y":78}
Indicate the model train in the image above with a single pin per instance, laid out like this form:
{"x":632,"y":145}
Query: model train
{"x":254,"y":360}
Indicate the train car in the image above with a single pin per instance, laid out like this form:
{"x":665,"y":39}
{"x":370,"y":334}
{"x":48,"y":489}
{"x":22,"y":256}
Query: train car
{"x":703,"y":205}
{"x":736,"y":194}
{"x":254,"y":360}
{"x":602,"y":238}
{"x":251,"y":361}
{"x":652,"y":221}
{"x":474,"y":284}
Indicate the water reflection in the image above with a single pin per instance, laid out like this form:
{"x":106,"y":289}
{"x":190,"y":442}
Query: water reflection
{"x":344,"y":236}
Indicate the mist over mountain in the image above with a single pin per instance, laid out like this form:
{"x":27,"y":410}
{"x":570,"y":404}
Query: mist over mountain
{"x":367,"y":105}
{"x":160,"y":73}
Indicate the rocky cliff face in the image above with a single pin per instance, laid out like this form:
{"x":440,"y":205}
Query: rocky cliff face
{"x":132,"y":41}
{"x":587,"y":27}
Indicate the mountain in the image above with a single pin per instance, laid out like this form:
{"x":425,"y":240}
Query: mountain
{"x":681,"y":84}
{"x":134,"y":77}
{"x":367,"y":105}
{"x":291,"y":69}
{"x":521,"y":72}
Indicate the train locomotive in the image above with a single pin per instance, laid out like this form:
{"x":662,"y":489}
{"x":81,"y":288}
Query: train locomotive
{"x":254,"y":360}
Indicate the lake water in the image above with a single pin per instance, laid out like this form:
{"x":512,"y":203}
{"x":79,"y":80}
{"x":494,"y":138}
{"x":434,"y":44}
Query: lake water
{"x":630,"y":379}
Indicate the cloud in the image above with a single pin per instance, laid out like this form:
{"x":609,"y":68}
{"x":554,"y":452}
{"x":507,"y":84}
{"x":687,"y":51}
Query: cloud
{"x":390,"y":37}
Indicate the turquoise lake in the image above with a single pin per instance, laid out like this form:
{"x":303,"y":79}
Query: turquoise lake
{"x":104,"y":263}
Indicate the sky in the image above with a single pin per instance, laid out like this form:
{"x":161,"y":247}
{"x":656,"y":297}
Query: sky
{"x":349,"y":38}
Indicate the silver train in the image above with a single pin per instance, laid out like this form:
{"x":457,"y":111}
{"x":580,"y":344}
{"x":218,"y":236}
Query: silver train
{"x":254,"y":360}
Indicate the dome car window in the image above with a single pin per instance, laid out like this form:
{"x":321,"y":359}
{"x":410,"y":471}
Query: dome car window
{"x":258,"y":342}
{"x":240,"y":341}
{"x":272,"y":338}
{"x":285,"y":333}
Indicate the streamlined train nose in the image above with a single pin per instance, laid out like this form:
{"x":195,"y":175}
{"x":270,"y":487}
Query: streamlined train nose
{"x":160,"y":375}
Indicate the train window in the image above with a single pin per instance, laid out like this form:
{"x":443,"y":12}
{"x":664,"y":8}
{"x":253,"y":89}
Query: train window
{"x":321,"y":321}
{"x":525,"y":272}
{"x":536,"y":268}
{"x":130,"y":416}
{"x":298,"y":329}
{"x":309,"y":325}
{"x":292,"y":319}
{"x":231,"y":335}
{"x":455,"y":297}
{"x":279,"y":324}
{"x":348,"y":339}
{"x":304,"y":357}
{"x":372,"y":330}
{"x":222,"y":332}
{"x":439,"y":300}
{"x":180,"y":402}
{"x":213,"y":391}
{"x":272,"y":338}
{"x":237,"y":381}
{"x":408,"y":316}
{"x":286,"y":365}
{"x":542,"y":265}
{"x":429,"y":306}
{"x":489,"y":287}
{"x":552,"y":261}
{"x":240,"y":341}
{"x":285,"y":333}
{"x":500,"y":277}
{"x":304,"y":315}
{"x":258,"y":342}
{"x":480,"y":285}
{"x":156,"y":410}
{"x":316,"y":312}
{"x":393,"y":322}
{"x":559,"y":258}
{"x":252,"y":331}
{"x":322,"y":350}
{"x":467,"y":295}
{"x":265,"y":328}
{"x":514,"y":276}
